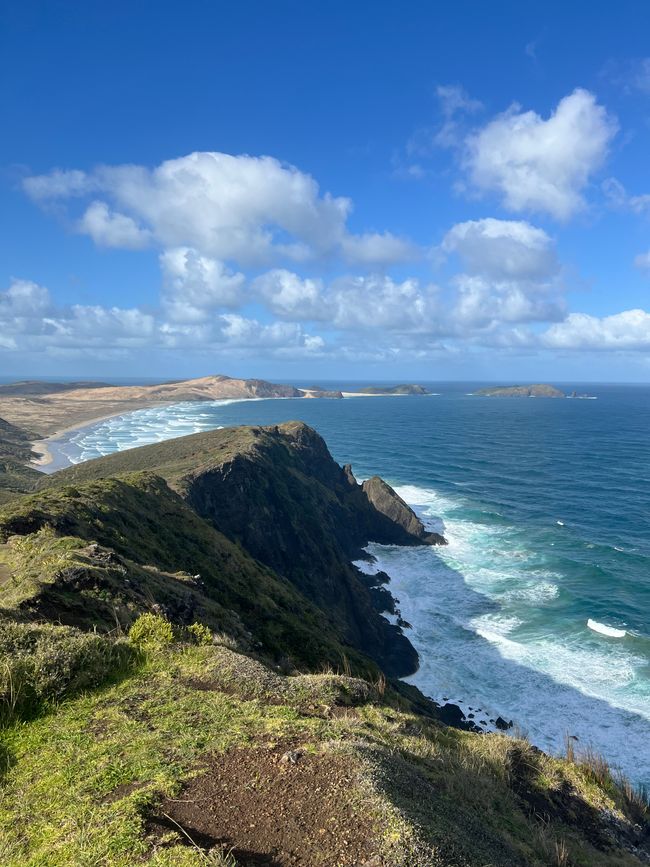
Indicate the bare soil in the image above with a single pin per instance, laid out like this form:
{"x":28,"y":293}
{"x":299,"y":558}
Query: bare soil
{"x":277,"y":806}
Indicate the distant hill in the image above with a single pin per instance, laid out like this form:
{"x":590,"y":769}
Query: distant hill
{"x":48,"y":408}
{"x":539,"y":390}
{"x":394,"y":389}
{"x":37,"y":386}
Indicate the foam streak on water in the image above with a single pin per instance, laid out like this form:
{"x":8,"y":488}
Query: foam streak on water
{"x":139,"y":428}
{"x":478,"y":609}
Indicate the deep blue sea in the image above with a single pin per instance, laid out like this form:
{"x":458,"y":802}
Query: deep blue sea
{"x":546,"y":506}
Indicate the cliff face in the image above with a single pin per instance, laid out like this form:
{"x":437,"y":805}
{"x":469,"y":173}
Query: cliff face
{"x":278,"y":494}
{"x":290,"y":505}
{"x":402,"y":524}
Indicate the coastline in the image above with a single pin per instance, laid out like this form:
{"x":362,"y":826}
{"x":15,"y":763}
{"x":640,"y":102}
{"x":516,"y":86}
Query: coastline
{"x":42,"y":446}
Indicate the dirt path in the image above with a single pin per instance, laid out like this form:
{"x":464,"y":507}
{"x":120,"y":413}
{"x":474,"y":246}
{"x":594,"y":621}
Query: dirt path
{"x":275,"y":807}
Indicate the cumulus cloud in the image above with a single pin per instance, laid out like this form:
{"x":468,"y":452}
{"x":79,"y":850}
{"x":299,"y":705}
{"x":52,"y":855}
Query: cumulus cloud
{"x":511,"y":274}
{"x":194,"y":285}
{"x":379,"y":302}
{"x":629,"y":330}
{"x":377,"y":248}
{"x":252,"y":210}
{"x":538,"y":164}
{"x":483,"y":304}
{"x":30,"y":321}
{"x":503,"y":249}
{"x":24,"y":299}
{"x":111,"y":229}
{"x":291,"y":296}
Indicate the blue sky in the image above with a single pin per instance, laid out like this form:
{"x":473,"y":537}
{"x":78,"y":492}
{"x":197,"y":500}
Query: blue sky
{"x":325,"y":190}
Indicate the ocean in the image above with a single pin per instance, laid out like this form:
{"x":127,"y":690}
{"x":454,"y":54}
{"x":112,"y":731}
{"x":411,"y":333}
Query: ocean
{"x":546,"y":506}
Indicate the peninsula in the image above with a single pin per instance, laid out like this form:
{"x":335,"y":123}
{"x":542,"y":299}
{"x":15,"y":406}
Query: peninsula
{"x":50,"y":408}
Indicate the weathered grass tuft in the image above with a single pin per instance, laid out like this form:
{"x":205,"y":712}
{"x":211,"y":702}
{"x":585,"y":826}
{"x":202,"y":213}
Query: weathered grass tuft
{"x":42,"y":663}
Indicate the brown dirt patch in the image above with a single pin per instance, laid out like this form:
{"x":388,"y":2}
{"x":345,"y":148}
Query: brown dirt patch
{"x":275,"y":807}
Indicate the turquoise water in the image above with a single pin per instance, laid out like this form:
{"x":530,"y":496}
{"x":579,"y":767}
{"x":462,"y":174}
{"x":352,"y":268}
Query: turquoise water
{"x":546,"y":505}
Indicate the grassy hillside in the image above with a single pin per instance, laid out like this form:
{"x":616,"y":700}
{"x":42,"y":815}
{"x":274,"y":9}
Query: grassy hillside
{"x":98,"y":554}
{"x":196,"y":754}
{"x":15,"y":452}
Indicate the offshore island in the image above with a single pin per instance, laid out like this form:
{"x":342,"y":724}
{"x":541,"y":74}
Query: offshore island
{"x":538,"y":390}
{"x":195,"y":673}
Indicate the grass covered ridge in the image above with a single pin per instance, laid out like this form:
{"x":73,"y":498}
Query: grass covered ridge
{"x":101,"y":553}
{"x":112,"y":775}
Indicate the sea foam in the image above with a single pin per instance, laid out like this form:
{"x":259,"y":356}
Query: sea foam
{"x":477,"y":611}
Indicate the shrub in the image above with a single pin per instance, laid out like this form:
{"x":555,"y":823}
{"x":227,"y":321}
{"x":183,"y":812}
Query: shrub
{"x":199,"y":633}
{"x":152,"y":629}
{"x":41,"y":663}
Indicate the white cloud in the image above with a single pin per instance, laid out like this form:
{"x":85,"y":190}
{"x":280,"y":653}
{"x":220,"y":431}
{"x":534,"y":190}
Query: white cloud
{"x":110,"y":229}
{"x":454,"y":103}
{"x":619,"y":198}
{"x":24,"y":299}
{"x":291,"y":296}
{"x":378,"y":302}
{"x":252,"y":210}
{"x":31,"y":322}
{"x":377,"y":249}
{"x":503,"y":249}
{"x":512,"y":274}
{"x":59,"y":184}
{"x":482,"y":304}
{"x":629,"y":330}
{"x":193,"y":285}
{"x":541,"y":164}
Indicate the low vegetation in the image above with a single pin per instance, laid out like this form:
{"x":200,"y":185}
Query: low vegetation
{"x":128,"y":728}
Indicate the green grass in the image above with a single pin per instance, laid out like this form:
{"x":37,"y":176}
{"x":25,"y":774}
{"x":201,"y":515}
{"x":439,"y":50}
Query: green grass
{"x":80,"y":780}
{"x":155,"y":544}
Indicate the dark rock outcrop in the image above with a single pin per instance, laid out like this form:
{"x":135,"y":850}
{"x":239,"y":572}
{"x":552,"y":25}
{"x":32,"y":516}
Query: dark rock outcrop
{"x":402,"y":526}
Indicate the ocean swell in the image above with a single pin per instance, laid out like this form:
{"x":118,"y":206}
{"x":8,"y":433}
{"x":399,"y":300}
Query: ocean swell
{"x":492,"y":622}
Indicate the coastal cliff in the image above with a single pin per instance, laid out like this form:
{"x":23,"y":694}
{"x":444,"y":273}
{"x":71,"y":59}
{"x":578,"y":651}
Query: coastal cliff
{"x":193,"y":673}
{"x":278,"y":493}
